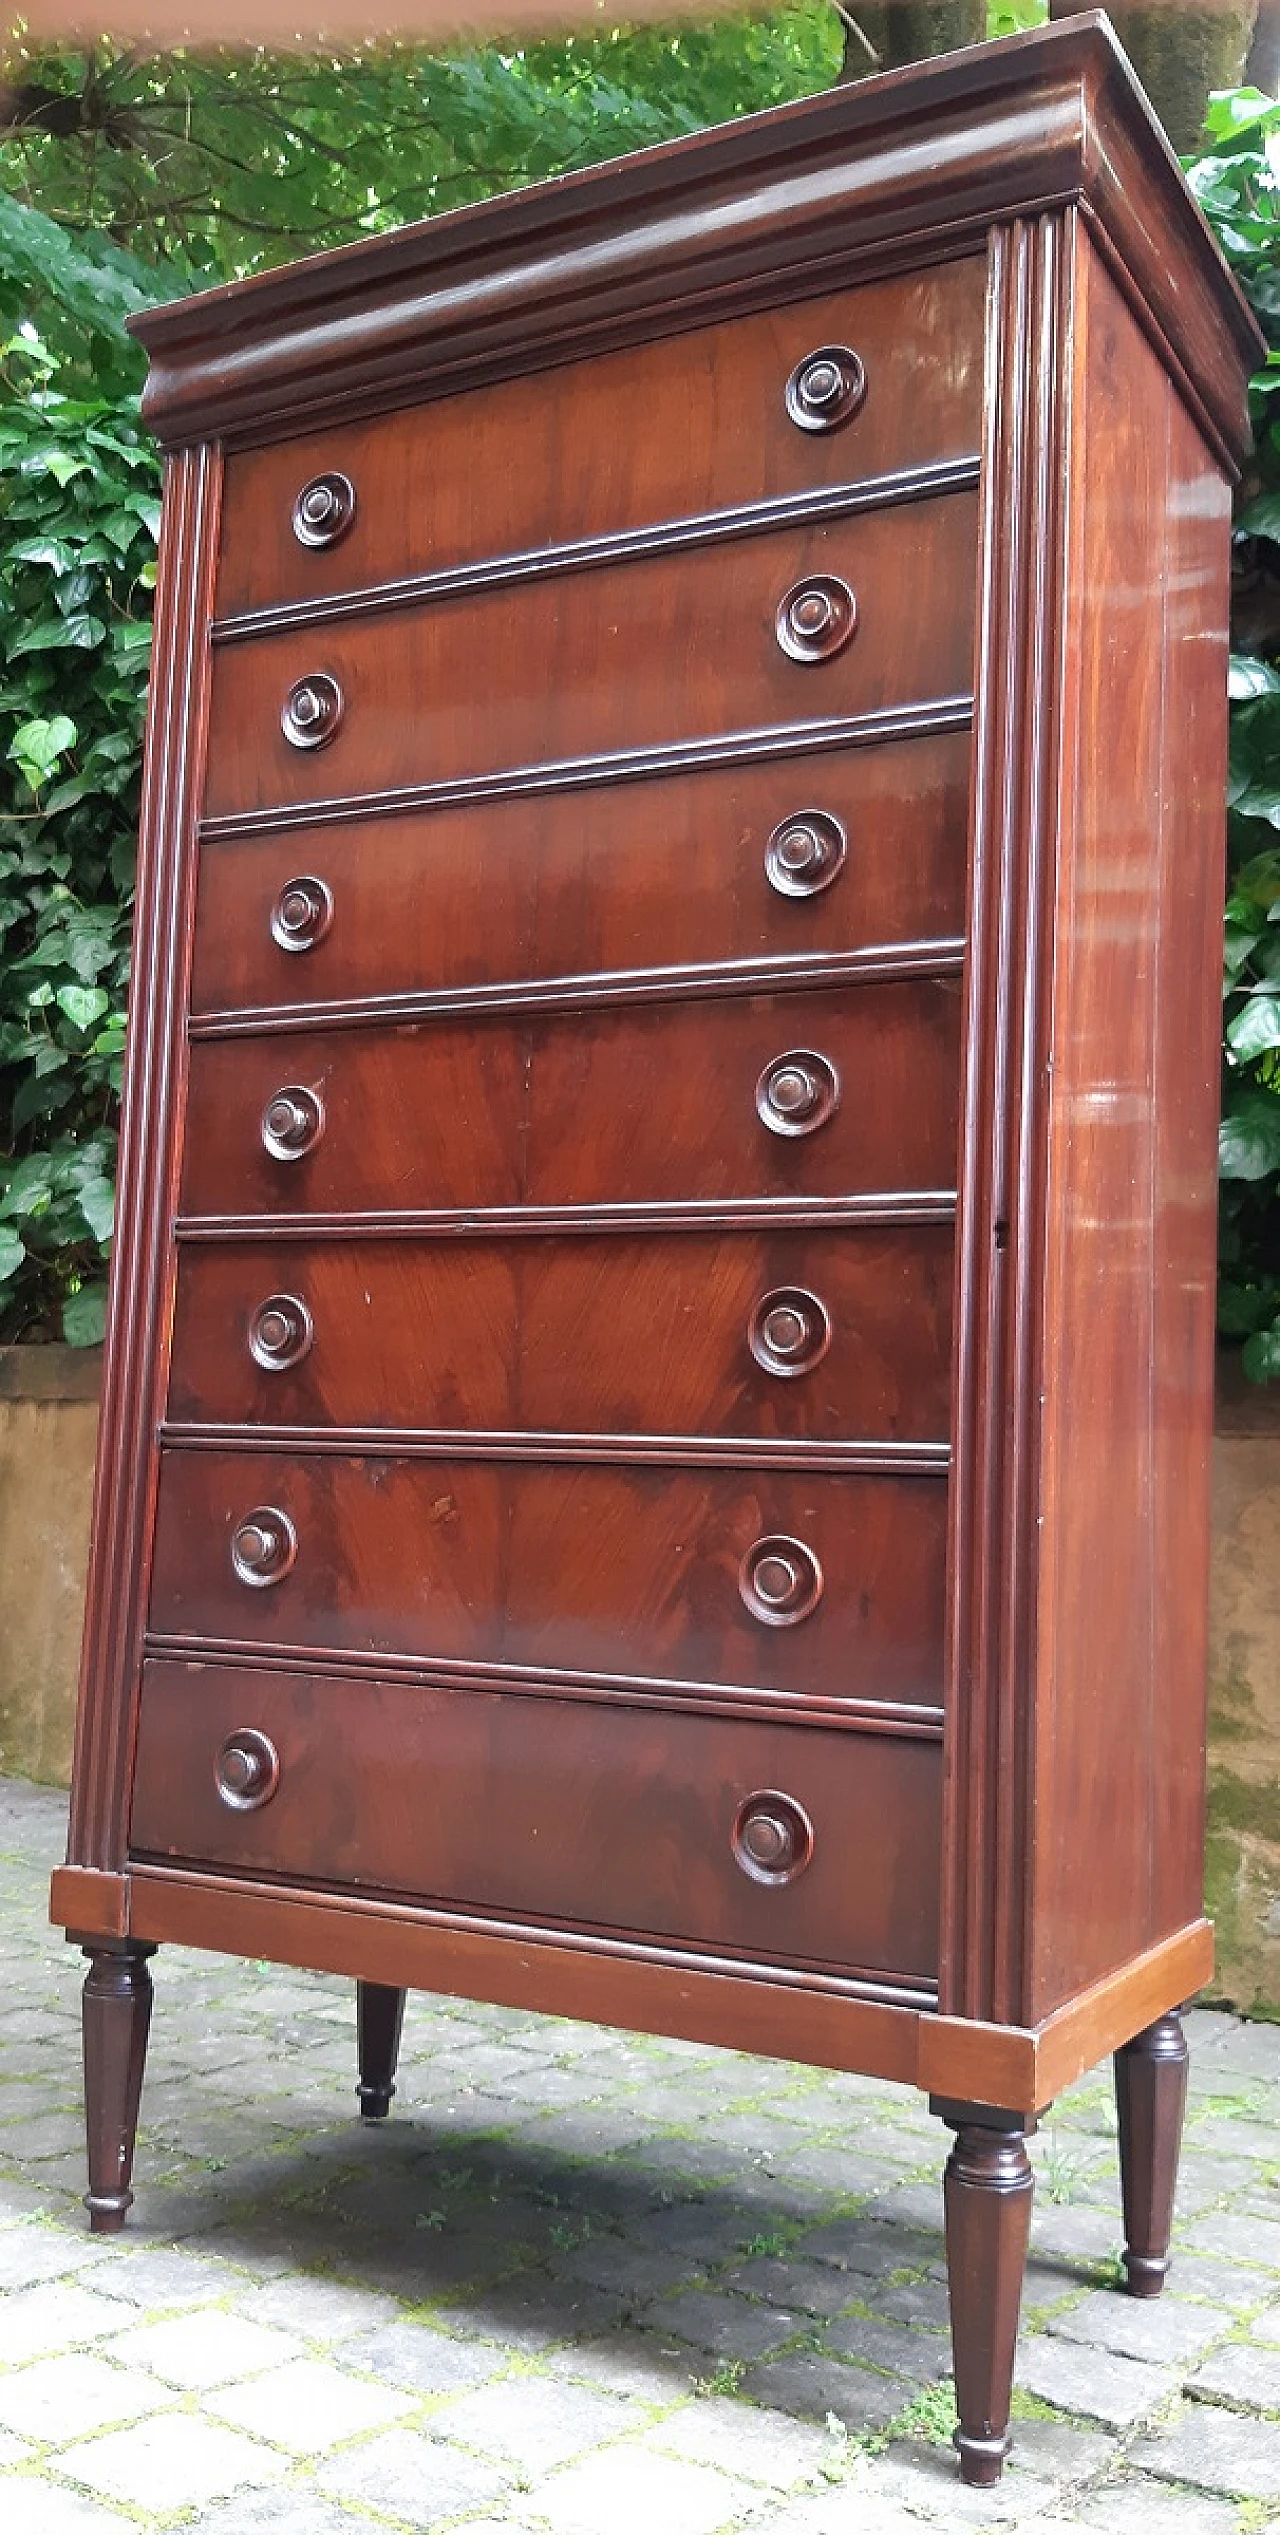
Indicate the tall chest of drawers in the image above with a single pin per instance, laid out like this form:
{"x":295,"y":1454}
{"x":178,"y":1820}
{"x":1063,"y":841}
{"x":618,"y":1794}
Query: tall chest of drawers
{"x":654,"y":1460}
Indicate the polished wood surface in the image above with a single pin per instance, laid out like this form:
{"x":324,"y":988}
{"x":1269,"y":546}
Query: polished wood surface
{"x":563,"y":1567}
{"x":643,"y":654}
{"x":798,"y":1337}
{"x":658,"y":1394}
{"x":570,"y":1813}
{"x":607,"y":885}
{"x":484,"y":1114}
{"x":1151,"y":2100}
{"x":698,"y":423}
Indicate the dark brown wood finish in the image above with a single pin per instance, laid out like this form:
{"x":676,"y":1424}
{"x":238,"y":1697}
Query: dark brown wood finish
{"x":379,"y":2023}
{"x":1151,"y":2099}
{"x":598,"y":885}
{"x":987,"y":2195}
{"x":687,"y":906}
{"x":695,"y":424}
{"x":631,"y":1818}
{"x":556,"y":1566}
{"x":642,"y":654}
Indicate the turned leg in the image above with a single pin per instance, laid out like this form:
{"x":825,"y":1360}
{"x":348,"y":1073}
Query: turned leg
{"x":116,"y":2012}
{"x":1151,"y":2097}
{"x":379,"y":2017}
{"x":987,"y":2195}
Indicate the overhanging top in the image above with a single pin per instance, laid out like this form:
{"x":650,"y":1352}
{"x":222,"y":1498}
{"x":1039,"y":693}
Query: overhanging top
{"x":860,"y":180}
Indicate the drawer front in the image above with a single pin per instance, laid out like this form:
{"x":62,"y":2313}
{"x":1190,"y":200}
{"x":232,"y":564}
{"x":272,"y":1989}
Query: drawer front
{"x":695,"y":423}
{"x":641,"y":876}
{"x":611,"y":1106}
{"x":802,"y":1335}
{"x":639,"y":1573}
{"x":630,"y":1820}
{"x":649,"y":653}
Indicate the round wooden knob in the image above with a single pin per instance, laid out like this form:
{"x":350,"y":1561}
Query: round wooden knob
{"x":772,"y":1838}
{"x":826,"y":388}
{"x":797,"y":1093}
{"x":302,"y":913}
{"x":280,"y":1332}
{"x":264,"y":1545}
{"x":805,"y":854}
{"x":324,"y":509}
{"x":247,"y":1770}
{"x":817,"y":617}
{"x":312,"y":711}
{"x":292,"y":1122}
{"x":789,"y":1331}
{"x":780,"y":1581}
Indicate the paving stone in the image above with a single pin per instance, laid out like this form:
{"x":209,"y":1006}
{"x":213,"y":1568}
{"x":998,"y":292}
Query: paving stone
{"x":422,"y":2361}
{"x":913,"y":2302}
{"x":760,"y":2446}
{"x":1233,"y":2286}
{"x":817,"y":2288}
{"x":729,"y":2327}
{"x":815,"y":2388}
{"x":30,"y":2254}
{"x":532,"y":2315}
{"x":1265,"y":2327}
{"x":321,"y":2310}
{"x":1097,"y":2383}
{"x":635,"y":2364}
{"x":1163,"y":2329}
{"x":56,"y":2316}
{"x":416,"y":2479}
{"x":1240,"y":2373}
{"x":1217,"y":2451}
{"x":1237,"y":2234}
{"x":916,"y":2356}
{"x":205,"y":2349}
{"x":34,"y":2506}
{"x":309,"y":2406}
{"x":536,"y":2422}
{"x":848,"y":2511}
{"x":176,"y":2462}
{"x":13,"y":2450}
{"x":1058,"y":2452}
{"x":869,"y":2249}
{"x":57,"y":2399}
{"x":926,"y":2478}
{"x":1135,"y":2506}
{"x":629,"y":2492}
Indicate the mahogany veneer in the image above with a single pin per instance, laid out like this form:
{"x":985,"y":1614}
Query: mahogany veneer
{"x":655,"y":1452}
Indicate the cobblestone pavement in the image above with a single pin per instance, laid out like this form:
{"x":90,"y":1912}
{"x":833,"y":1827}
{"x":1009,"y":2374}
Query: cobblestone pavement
{"x":580,"y":2282}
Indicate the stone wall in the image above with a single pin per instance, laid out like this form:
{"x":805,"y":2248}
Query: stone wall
{"x":48,"y":1417}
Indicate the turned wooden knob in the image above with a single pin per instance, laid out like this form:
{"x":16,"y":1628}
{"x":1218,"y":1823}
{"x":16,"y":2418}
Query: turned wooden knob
{"x":780,"y":1581}
{"x":264,"y":1545}
{"x":247,"y":1770}
{"x":324,"y":509}
{"x":302,"y":913}
{"x":772,"y":1838}
{"x":280,"y":1332}
{"x":789,"y":1331}
{"x":805,"y":854}
{"x":312,"y":711}
{"x":292,"y":1122}
{"x":817,"y":617}
{"x":797,"y":1093}
{"x":826,"y":388}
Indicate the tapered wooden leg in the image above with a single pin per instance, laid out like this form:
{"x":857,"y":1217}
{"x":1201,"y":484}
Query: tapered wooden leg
{"x":1151,"y":2098}
{"x":116,"y":2010}
{"x":987,"y":2194}
{"x":379,"y":2018}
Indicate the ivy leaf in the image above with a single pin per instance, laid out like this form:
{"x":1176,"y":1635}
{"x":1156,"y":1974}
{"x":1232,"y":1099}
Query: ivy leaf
{"x":1249,"y":1137}
{"x":1248,"y":678}
{"x":1256,"y":1028}
{"x":1260,"y":1355}
{"x":1261,"y":518}
{"x":83,"y":1005}
{"x":84,"y":1316}
{"x":98,"y":1206}
{"x":60,"y":633}
{"x":37,"y":746}
{"x":12,"y":1254}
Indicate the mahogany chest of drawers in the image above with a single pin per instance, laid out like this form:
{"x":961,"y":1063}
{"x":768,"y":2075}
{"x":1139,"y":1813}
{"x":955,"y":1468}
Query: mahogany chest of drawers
{"x":654,"y":1461}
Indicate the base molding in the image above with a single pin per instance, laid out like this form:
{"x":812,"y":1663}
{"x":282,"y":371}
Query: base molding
{"x":778,"y":2014}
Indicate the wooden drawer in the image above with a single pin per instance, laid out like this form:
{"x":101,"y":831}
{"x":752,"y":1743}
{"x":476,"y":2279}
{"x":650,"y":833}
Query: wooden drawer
{"x":570,"y":1811}
{"x":607,"y":1106}
{"x":668,"y":650}
{"x":570,"y":1567}
{"x":694,"y":423}
{"x":642,"y":876}
{"x":607,"y":1335}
